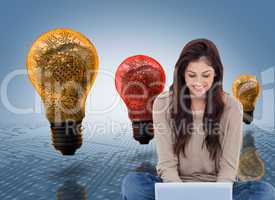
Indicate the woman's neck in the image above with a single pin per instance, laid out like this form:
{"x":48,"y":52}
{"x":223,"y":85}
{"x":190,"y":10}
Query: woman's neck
{"x":197,"y":105}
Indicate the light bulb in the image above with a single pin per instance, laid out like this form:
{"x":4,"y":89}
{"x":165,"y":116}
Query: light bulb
{"x":251,"y":165}
{"x":246,"y":88}
{"x":62,"y":65}
{"x":71,"y":189}
{"x":139,"y":79}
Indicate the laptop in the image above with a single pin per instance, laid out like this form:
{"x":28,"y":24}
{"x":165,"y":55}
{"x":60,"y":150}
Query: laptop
{"x":194,"y":191}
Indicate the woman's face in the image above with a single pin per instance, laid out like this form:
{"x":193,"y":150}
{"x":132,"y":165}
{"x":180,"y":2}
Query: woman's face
{"x":199,"y":77}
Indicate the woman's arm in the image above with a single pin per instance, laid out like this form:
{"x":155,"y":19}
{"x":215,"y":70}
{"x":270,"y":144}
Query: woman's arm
{"x":167,"y":161}
{"x":232,"y":143}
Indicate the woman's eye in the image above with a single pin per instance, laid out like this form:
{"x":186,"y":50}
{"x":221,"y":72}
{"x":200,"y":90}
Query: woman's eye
{"x":193,"y":76}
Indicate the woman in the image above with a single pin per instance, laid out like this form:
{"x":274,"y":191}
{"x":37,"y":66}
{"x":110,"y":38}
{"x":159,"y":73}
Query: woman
{"x":198,"y":130}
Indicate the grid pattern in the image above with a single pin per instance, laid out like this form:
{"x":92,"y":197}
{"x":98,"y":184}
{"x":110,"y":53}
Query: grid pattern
{"x":30,"y":168}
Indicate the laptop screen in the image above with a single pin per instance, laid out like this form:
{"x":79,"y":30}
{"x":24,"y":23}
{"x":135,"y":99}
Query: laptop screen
{"x":194,"y":191}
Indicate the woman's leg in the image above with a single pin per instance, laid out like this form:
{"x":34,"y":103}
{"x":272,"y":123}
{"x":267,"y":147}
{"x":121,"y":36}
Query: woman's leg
{"x":139,"y":186}
{"x":253,"y":190}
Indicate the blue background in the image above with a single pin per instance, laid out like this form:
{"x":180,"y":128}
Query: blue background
{"x":242,"y":30}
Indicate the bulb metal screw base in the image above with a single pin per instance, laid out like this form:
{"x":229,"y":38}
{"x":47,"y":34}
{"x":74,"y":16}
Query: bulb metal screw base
{"x":66,"y":136}
{"x":248,"y":116}
{"x":143,"y":131}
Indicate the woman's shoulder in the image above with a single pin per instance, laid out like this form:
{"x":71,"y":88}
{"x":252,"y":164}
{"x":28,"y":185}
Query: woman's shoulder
{"x":163,"y":97}
{"x":162,"y":101}
{"x":164,"y":94}
{"x":232,"y":103}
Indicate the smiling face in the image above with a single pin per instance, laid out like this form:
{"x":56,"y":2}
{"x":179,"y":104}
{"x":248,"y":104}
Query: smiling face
{"x":199,"y":77}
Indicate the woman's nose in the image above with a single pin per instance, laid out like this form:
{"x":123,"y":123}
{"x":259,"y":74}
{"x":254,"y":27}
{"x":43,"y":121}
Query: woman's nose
{"x":198,"y":82}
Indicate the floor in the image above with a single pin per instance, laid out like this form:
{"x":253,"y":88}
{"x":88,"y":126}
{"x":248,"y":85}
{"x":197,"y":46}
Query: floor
{"x":30,"y":168}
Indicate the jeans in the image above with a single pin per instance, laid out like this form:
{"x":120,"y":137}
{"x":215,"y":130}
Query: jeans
{"x":141,"y":186}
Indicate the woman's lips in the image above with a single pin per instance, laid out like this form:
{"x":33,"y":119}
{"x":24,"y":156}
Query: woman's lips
{"x":198,"y":88}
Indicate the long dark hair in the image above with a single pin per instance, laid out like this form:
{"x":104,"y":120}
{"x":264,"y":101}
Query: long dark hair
{"x":181,"y":116}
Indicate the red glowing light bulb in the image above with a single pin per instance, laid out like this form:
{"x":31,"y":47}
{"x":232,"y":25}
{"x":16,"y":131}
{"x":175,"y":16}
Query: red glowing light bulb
{"x":139,"y":79}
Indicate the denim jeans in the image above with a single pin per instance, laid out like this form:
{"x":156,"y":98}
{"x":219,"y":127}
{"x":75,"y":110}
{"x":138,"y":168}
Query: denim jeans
{"x":141,"y":186}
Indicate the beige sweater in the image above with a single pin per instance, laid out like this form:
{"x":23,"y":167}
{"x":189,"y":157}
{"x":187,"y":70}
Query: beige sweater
{"x":197,"y":166}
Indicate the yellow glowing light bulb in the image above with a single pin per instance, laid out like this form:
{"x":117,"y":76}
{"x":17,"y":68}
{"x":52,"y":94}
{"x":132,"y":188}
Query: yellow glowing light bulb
{"x":62,"y":65}
{"x":251,"y":166}
{"x":246,"y":88}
